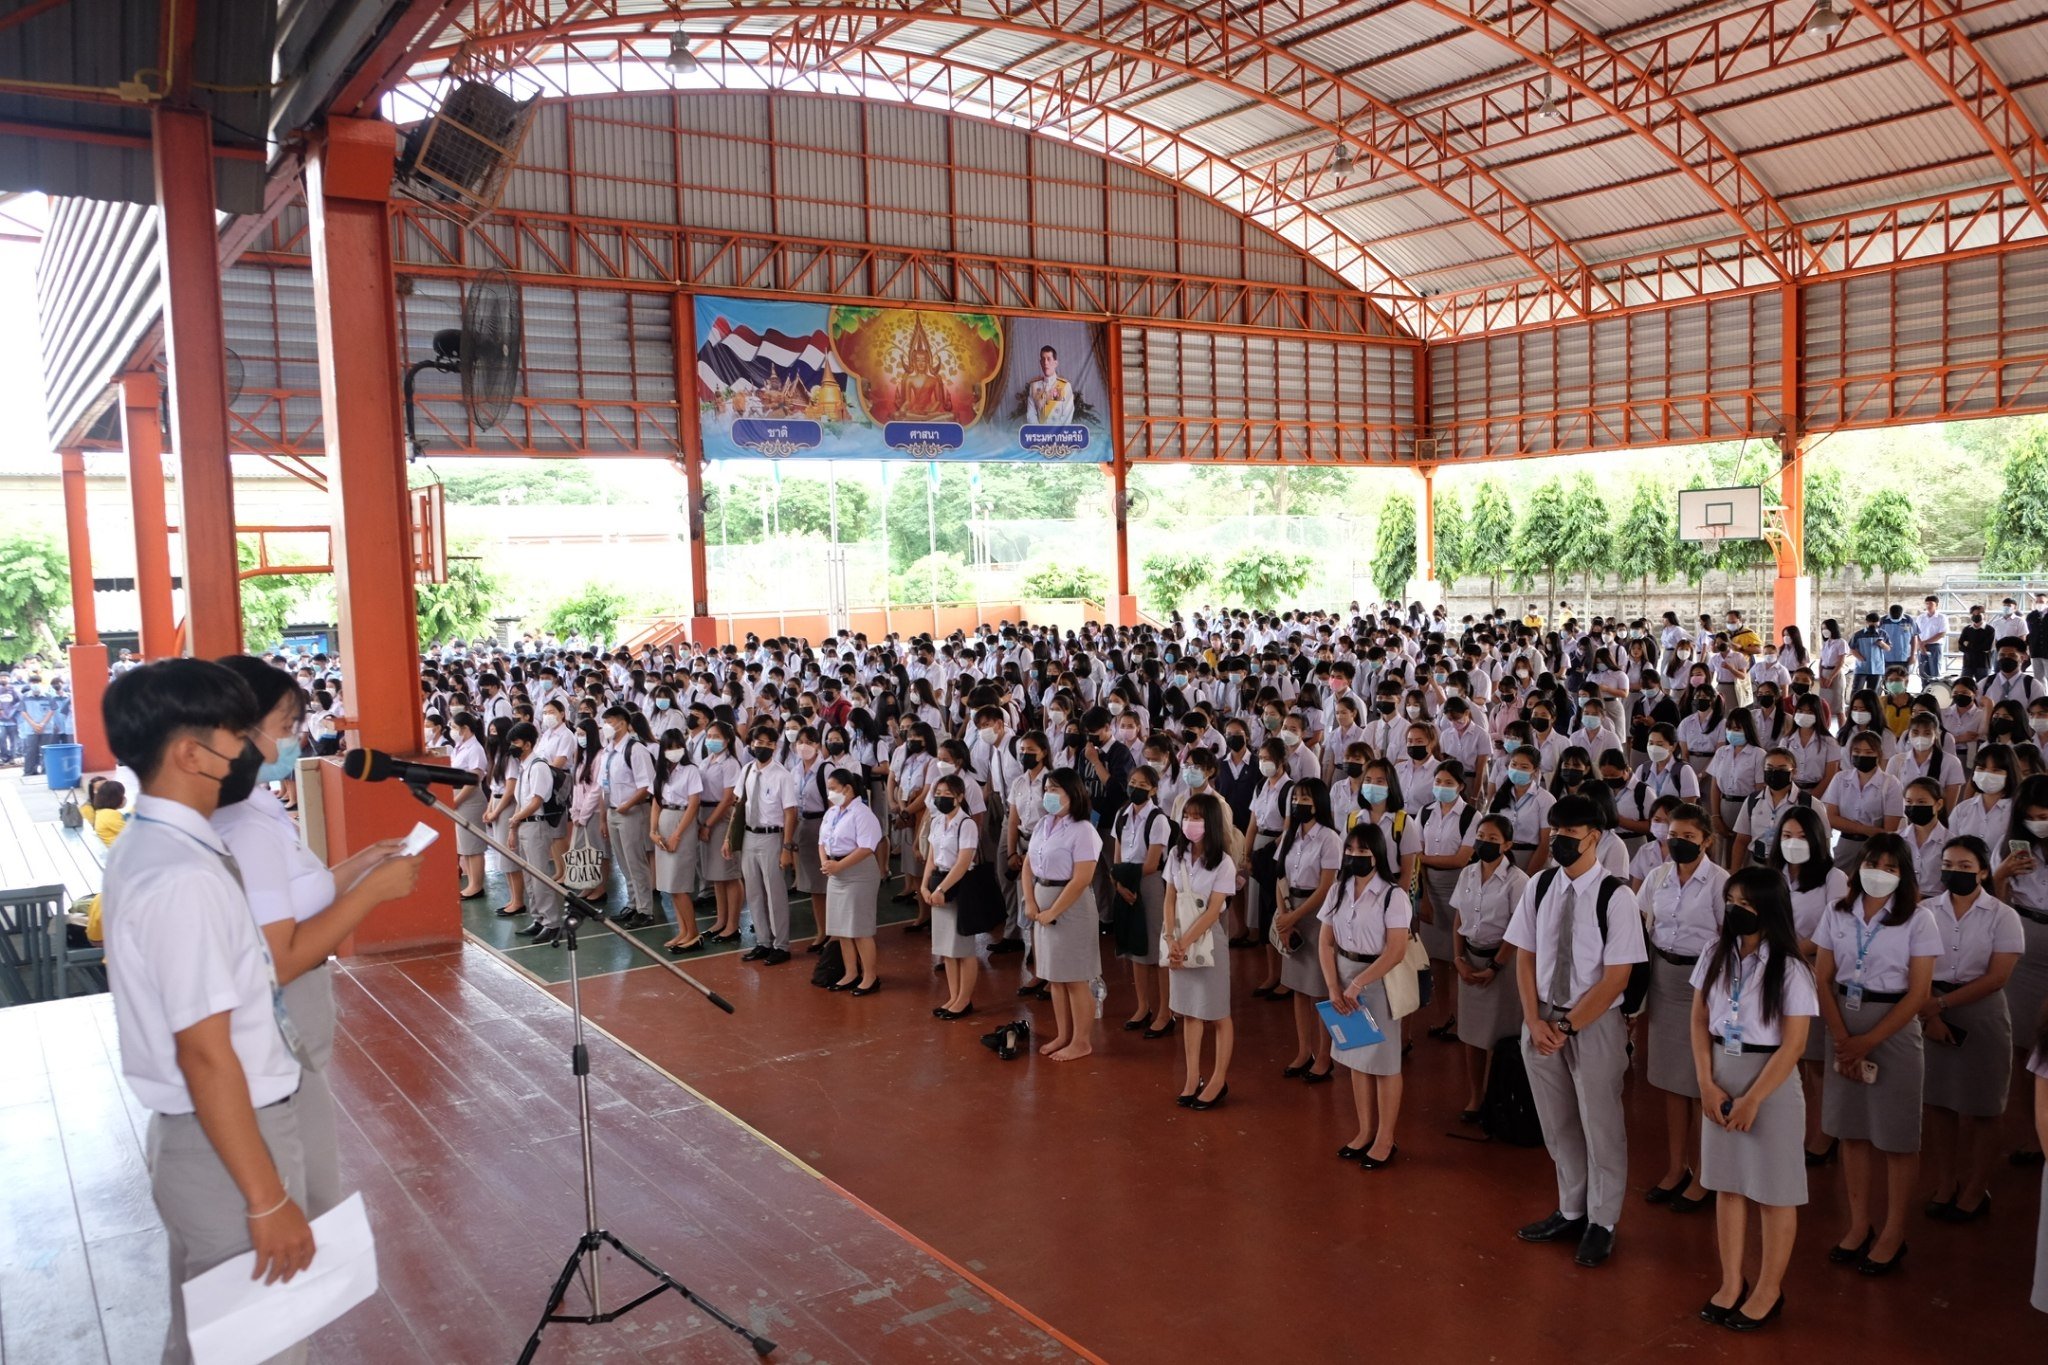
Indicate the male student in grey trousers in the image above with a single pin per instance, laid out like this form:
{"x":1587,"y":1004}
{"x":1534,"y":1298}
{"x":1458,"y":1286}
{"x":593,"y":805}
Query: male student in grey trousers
{"x":1574,"y":1041}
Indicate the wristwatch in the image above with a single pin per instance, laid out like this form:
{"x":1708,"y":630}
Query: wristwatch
{"x":1566,"y":1027}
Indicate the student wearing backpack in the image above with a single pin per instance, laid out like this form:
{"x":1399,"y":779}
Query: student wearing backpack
{"x":1484,"y":900}
{"x":1681,"y":903}
{"x":1444,"y":826}
{"x":531,"y":832}
{"x":629,"y":785}
{"x":1753,"y":1006}
{"x":1137,"y":842}
{"x":1581,"y":938}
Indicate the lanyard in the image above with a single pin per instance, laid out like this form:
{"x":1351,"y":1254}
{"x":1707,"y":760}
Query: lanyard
{"x":1735,"y":992}
{"x":1863,"y":943}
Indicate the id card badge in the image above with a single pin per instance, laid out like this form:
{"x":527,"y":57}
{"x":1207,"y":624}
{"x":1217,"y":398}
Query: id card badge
{"x":1731,"y":1039}
{"x":1854,"y":995}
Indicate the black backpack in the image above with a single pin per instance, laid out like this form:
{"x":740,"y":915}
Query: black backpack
{"x":555,"y":804}
{"x":831,"y":968}
{"x":1508,"y":1112}
{"x":1638,"y":988}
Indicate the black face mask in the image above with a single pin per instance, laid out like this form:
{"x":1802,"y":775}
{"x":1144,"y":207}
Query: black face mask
{"x":1919,"y":814}
{"x":1964,"y":703}
{"x":1357,"y":865}
{"x":1029,"y":760}
{"x":1301,"y":815}
{"x":1703,"y":705}
{"x":1385,"y":708}
{"x":1564,"y":849}
{"x":1140,"y":795}
{"x":240,"y":779}
{"x":1191,"y":736}
{"x":1615,"y":784}
{"x":1539,"y":723}
{"x":1682,"y":850}
{"x":1800,"y":689}
{"x":1418,"y":752}
{"x":763,"y":753}
{"x":913,"y":746}
{"x":1777,"y":779}
{"x":943,"y":804}
{"x":1865,"y":763}
{"x":1485,"y":850}
{"x":1234,"y":743}
{"x":1740,"y":920}
{"x":1354,"y":770}
{"x":1959,"y":883}
{"x":2008,"y":664}
{"x":834,"y":747}
{"x":1571,"y":777}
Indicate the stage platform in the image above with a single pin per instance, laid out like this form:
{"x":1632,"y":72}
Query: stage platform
{"x":453,"y":1078}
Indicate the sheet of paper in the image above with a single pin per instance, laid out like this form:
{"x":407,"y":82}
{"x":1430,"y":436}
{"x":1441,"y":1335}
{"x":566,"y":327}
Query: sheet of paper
{"x":235,"y":1320}
{"x":422,"y":835}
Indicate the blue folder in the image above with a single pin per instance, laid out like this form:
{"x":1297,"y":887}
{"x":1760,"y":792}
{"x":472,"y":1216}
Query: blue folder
{"x":1355,"y":1029}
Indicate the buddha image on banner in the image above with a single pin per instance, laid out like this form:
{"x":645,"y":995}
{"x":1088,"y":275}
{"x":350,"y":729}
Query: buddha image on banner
{"x":787,"y":379}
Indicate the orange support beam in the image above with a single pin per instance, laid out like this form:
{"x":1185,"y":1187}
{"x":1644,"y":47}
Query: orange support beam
{"x":348,"y":185}
{"x":88,"y":655}
{"x":1426,"y":560}
{"x":690,"y":438}
{"x":1791,"y":602}
{"x":196,"y":350}
{"x":1124,"y":610}
{"x":143,"y":440}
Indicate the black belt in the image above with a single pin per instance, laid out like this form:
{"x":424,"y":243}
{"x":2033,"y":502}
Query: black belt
{"x":1271,"y":833}
{"x":1675,"y":960}
{"x":1874,"y":997}
{"x":2037,"y":916}
{"x":1478,"y":951}
{"x":1350,"y":956}
{"x":1523,"y":848}
{"x":1047,"y":881}
{"x":1944,"y":987}
{"x":1745,"y":1047}
{"x":764,"y":829}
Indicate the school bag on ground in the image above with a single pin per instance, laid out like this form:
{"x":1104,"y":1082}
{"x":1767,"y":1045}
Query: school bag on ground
{"x":1508,"y":1111}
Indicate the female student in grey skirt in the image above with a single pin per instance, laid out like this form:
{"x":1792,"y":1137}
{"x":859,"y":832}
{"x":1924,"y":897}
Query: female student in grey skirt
{"x":1310,"y":850}
{"x":1484,"y":900}
{"x":807,"y":760}
{"x":2037,"y":1063}
{"x":1445,"y":833}
{"x":850,"y":855}
{"x":1138,"y":841}
{"x":1968,"y":1030}
{"x":1201,"y":878}
{"x":1681,"y":903}
{"x":678,"y":791}
{"x":1059,"y":878}
{"x":1753,"y":1006}
{"x":952,"y":842}
{"x":469,"y":756}
{"x":2022,"y":882}
{"x":1874,"y":965}
{"x":720,"y":773}
{"x":1366,"y":923}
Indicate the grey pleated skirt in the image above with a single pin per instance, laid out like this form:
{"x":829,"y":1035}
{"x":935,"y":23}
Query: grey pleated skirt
{"x":676,"y":873}
{"x":501,"y":830}
{"x":2029,"y":984}
{"x":1302,"y":969}
{"x":850,"y":900}
{"x":470,"y":807}
{"x":1886,"y":1114}
{"x":309,"y":1000}
{"x":1436,"y":936}
{"x":1382,"y":1058}
{"x":713,"y":862}
{"x":1203,"y":992}
{"x":808,"y":878}
{"x":1767,"y":1163}
{"x":1152,"y":898}
{"x":1975,"y":1079}
{"x":1671,"y":1068}
{"x":1489,"y":1013}
{"x":1070,"y":948}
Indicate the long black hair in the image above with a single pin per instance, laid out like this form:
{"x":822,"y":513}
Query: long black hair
{"x":1366,"y":832}
{"x":1812,"y":874}
{"x":1215,"y":817}
{"x":1319,"y":799}
{"x":1905,"y":897}
{"x":1763,"y":890}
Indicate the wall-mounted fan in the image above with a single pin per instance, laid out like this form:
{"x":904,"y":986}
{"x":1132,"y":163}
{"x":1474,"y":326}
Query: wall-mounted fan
{"x":486,"y":351}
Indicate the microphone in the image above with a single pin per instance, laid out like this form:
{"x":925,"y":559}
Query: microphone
{"x":368,"y":765}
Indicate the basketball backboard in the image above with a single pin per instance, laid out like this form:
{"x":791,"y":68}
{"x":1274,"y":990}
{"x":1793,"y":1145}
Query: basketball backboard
{"x":1715,"y":516}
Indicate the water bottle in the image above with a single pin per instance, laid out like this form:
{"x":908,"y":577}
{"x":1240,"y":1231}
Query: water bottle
{"x":1100,"y":991}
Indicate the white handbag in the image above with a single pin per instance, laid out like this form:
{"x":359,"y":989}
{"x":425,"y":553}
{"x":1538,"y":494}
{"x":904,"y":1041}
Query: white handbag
{"x":1199,"y":954}
{"x":1404,"y":982}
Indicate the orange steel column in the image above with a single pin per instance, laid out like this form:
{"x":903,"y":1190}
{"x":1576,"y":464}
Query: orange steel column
{"x":1789,"y":601}
{"x":143,"y":439}
{"x":1125,"y":608}
{"x":690,"y":440}
{"x":197,"y":354}
{"x":88,"y":655}
{"x":348,"y":186}
{"x":1428,"y":555}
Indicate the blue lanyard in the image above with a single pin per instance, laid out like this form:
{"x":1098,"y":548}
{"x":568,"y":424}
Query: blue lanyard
{"x":1735,"y":992}
{"x":1862,"y":943}
{"x":185,"y":834}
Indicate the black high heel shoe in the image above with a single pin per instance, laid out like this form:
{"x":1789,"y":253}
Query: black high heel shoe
{"x":1866,"y":1266}
{"x":1313,"y":1077}
{"x":1660,"y":1194}
{"x":1714,"y":1313}
{"x":1133,"y":1025}
{"x":1300,"y":1069}
{"x":868,"y":989}
{"x":1841,"y":1255}
{"x":1188,"y":1100}
{"x":1823,"y":1158}
{"x":1160,"y":1032}
{"x":1375,"y":1163}
{"x":1739,"y":1321}
{"x":1223,"y":1095}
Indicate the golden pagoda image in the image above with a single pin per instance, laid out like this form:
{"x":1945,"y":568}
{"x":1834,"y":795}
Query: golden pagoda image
{"x":828,"y":400}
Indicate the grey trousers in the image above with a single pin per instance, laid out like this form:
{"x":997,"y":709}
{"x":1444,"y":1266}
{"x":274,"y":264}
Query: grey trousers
{"x":543,"y":902}
{"x":1578,"y":1097}
{"x":204,"y":1216}
{"x":633,"y":847}
{"x":767,"y":893}
{"x":309,"y":999}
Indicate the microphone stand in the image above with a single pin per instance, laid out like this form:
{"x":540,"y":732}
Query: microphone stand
{"x":575,"y":909}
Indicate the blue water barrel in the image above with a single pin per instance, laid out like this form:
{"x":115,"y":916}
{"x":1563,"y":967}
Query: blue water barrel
{"x":64,"y":763}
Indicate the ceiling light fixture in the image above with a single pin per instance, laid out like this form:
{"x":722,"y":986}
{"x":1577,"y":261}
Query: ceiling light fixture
{"x":1549,"y":111}
{"x":1341,"y":162}
{"x":1825,"y":19}
{"x":681,"y":61}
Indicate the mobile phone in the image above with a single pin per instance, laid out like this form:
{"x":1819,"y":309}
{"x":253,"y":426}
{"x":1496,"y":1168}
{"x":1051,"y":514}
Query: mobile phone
{"x":1869,"y":1072}
{"x":2018,"y":846}
{"x":417,"y":842}
{"x":1957,"y":1036}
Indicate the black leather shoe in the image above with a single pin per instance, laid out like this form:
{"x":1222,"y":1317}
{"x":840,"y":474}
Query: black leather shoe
{"x":529,"y":929}
{"x":1038,"y":991}
{"x":1711,"y":1312}
{"x":1374,"y":1163}
{"x":868,"y":989}
{"x":1595,"y":1246}
{"x":1160,"y":1032}
{"x":1555,"y":1228}
{"x":695,"y":945}
{"x":842,"y":985}
{"x":1958,"y":1214}
{"x":949,"y":1015}
{"x":508,"y":911}
{"x":1319,"y":1077}
{"x":1822,"y":1158}
{"x":1187,"y":1101}
{"x":1133,"y":1025}
{"x":548,"y":937}
{"x":754,"y":954}
{"x":1294,"y":1072}
{"x":1221,"y":1096}
{"x":1658,"y":1194}
{"x":1841,"y":1255}
{"x":1866,"y":1266}
{"x":775,"y":957}
{"x":1351,"y":1153}
{"x":1942,"y":1210}
{"x":1735,"y":1320}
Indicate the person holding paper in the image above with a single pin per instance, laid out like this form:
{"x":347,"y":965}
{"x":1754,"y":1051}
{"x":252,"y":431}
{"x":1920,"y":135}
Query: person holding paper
{"x":304,"y":908}
{"x":205,"y":1042}
{"x":1201,"y":877}
{"x":1365,"y":926}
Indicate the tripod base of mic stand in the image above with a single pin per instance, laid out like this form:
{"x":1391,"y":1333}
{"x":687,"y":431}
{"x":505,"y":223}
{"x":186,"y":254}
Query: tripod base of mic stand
{"x":590,"y":1245}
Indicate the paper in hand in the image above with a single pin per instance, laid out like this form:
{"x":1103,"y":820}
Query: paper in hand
{"x":233,"y":1319}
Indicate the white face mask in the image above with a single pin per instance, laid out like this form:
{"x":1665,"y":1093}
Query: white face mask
{"x":2037,"y":828}
{"x":2038,"y":724}
{"x":1659,"y":752}
{"x":1796,"y":851}
{"x":945,"y":769}
{"x":1268,"y":767}
{"x":1860,"y":717}
{"x":1805,"y":721}
{"x":1876,"y":882}
{"x":1920,"y":743}
{"x":835,"y":795}
{"x":1414,"y":713}
{"x":1660,"y":830}
{"x":1988,"y":782}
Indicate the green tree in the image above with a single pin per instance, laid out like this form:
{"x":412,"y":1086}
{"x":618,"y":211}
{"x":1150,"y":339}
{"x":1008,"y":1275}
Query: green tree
{"x":592,"y":612}
{"x":1393,"y":558}
{"x":1490,"y":537}
{"x":539,"y":482}
{"x":461,"y":608}
{"x":1050,"y":580}
{"x":2017,"y":529}
{"x":914,"y":584}
{"x":1828,"y":521}
{"x":1260,"y":576}
{"x":1169,"y":579}
{"x":1588,"y":534}
{"x":35,"y":593}
{"x":1887,"y":537}
{"x":1448,"y":554}
{"x":1283,"y":490}
{"x":1646,"y":542}
{"x":268,"y":602}
{"x":1543,"y":540}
